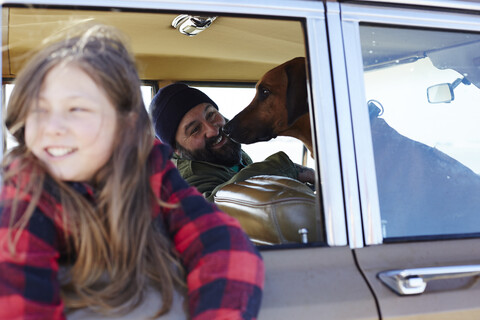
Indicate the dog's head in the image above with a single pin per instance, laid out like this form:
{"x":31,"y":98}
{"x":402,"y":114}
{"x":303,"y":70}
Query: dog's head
{"x":280,"y":99}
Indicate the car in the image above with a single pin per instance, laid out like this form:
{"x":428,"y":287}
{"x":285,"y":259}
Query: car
{"x":393,"y":91}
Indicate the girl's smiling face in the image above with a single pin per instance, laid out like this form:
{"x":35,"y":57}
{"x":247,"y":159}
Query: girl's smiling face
{"x":72,"y":127}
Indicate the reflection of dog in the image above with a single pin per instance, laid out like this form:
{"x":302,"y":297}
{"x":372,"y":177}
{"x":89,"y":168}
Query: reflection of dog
{"x":279,"y":107}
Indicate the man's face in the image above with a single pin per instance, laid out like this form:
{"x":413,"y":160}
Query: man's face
{"x":199,"y":137}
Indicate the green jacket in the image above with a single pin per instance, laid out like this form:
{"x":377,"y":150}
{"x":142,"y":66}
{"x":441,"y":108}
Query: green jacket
{"x":208,"y":178}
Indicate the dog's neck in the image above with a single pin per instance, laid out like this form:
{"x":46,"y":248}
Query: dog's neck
{"x":300,"y":129}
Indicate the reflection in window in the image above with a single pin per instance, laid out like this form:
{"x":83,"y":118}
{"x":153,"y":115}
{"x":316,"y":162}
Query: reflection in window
{"x":426,"y":148}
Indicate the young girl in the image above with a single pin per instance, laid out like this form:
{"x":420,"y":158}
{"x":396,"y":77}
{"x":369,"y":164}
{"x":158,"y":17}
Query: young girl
{"x":90,"y":189}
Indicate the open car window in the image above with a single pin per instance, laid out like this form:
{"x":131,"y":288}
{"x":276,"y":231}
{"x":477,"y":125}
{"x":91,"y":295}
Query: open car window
{"x":224,"y":59}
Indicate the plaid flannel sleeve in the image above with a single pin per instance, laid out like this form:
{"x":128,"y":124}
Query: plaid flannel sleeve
{"x":225,"y":272}
{"x":29,"y":288}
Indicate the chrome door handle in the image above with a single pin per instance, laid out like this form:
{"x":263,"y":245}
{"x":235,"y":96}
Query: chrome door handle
{"x":414,"y":281}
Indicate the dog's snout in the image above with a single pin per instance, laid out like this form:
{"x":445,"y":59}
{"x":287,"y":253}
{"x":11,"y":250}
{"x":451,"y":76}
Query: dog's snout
{"x":230,"y":129}
{"x":227,"y":129}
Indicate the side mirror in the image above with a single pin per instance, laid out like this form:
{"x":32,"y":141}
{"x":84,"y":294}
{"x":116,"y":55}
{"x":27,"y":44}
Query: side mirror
{"x":439,"y":93}
{"x":443,"y":92}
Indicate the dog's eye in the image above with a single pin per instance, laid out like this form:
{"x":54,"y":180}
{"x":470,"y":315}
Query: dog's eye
{"x":264,"y":92}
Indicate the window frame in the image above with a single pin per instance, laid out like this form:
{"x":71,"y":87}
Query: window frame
{"x":352,"y":16}
{"x":312,"y":16}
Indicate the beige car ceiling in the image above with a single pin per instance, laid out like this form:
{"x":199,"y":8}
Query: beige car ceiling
{"x":232,"y":49}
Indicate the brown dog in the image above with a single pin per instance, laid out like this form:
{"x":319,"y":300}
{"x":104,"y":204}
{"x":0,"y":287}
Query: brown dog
{"x":279,"y":108}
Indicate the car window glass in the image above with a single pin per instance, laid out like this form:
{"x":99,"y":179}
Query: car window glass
{"x":422,"y":88}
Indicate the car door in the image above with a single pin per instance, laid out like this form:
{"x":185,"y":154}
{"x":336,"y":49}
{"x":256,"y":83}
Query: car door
{"x":413,"y":91}
{"x":314,"y":280}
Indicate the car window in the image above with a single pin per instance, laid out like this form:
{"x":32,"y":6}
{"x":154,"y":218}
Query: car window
{"x":422,"y":88}
{"x":234,"y":49}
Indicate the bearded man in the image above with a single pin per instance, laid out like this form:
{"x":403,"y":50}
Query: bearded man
{"x":189,"y":121}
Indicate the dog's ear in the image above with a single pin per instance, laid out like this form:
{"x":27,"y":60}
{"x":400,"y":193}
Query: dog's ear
{"x":296,"y":100}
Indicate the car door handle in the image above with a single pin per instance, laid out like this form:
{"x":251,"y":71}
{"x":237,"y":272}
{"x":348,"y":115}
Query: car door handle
{"x":414,"y":281}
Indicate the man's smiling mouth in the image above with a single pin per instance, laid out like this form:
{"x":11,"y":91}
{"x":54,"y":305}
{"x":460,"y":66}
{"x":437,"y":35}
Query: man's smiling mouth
{"x":220,"y":137}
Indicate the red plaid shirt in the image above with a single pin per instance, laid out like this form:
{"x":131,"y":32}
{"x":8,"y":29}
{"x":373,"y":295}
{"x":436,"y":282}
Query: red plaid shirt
{"x":225,"y":272}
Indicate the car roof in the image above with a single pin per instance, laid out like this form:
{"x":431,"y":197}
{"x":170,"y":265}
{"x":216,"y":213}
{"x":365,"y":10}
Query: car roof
{"x":231,"y":49}
{"x":234,"y":48}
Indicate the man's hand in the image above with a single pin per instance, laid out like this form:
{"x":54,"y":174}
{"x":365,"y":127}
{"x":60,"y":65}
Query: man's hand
{"x":305,"y":174}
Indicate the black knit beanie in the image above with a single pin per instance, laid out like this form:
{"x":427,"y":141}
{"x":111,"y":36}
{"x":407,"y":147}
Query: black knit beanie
{"x":169,"y":106}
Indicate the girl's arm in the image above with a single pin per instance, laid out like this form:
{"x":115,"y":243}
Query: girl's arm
{"x":29,"y":287}
{"x":225,"y":272}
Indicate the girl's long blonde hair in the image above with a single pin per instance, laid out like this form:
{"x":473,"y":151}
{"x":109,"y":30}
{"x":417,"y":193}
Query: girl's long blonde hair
{"x":118,"y":249}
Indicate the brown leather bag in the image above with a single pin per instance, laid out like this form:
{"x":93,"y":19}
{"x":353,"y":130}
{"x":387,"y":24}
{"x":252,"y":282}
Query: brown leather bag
{"x":271,"y":209}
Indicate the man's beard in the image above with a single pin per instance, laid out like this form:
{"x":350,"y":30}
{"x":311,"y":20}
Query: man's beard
{"x":228,"y":155}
